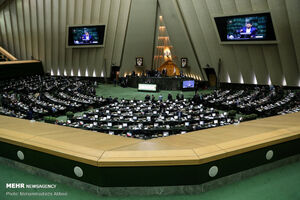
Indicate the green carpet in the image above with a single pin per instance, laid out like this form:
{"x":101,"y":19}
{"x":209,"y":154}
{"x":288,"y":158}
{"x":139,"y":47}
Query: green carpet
{"x":278,"y":184}
{"x":107,"y":90}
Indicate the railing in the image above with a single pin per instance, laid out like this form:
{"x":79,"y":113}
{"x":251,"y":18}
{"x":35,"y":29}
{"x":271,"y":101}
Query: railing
{"x":7,"y":56}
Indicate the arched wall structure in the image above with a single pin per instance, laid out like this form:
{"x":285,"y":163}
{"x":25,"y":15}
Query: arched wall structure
{"x":38,"y":28}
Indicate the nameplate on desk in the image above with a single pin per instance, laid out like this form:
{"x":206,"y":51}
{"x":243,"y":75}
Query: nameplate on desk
{"x":165,"y":134}
{"x":111,"y":133}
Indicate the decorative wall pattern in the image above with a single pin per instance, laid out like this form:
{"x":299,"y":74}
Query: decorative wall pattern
{"x":38,"y":28}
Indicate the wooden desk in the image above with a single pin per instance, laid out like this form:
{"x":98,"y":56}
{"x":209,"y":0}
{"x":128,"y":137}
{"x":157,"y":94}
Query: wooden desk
{"x":193,"y":148}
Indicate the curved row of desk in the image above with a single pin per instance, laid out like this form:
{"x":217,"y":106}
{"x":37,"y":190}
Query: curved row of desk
{"x":186,"y":159}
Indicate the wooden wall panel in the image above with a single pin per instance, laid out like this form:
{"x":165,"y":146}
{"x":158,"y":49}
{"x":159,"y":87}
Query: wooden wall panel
{"x":104,"y":16}
{"x":62,"y":36}
{"x":4,"y":40}
{"x":8,"y":26}
{"x":140,"y":35}
{"x":95,"y":15}
{"x":293,"y":8}
{"x":76,"y":52}
{"x":110,"y":34}
{"x":15,"y":30}
{"x":69,"y":21}
{"x":256,"y":51}
{"x":48,"y":36}
{"x":1,"y":39}
{"x":86,"y":15}
{"x":121,"y":31}
{"x":210,"y":38}
{"x":242,"y":51}
{"x":196,"y":33}
{"x":218,"y":8}
{"x":21,"y":28}
{"x":38,"y":28}
{"x":34,"y":29}
{"x":285,"y":46}
{"x":41,"y":29}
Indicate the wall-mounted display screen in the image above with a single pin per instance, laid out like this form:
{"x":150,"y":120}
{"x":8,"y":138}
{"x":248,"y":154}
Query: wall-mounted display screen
{"x":188,"y":84}
{"x":86,"y":36}
{"x":252,"y":27}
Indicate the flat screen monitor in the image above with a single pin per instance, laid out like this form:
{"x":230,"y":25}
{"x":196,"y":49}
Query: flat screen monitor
{"x":242,"y":28}
{"x":86,"y":36}
{"x":188,"y":84}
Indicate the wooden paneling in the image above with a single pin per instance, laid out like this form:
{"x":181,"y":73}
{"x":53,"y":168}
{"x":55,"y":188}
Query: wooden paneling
{"x":15,"y":30}
{"x":38,"y":28}
{"x":243,"y":62}
{"x":34,"y":29}
{"x":62,"y":33}
{"x":293,"y":7}
{"x":21,"y":28}
{"x":196,"y":33}
{"x":8,"y":26}
{"x":140,"y":34}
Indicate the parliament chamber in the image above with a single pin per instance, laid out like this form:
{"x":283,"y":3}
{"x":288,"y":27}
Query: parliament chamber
{"x":146,"y":98}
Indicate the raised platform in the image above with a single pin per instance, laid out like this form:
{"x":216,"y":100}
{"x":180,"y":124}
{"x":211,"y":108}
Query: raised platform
{"x":163,"y":83}
{"x":113,"y":161}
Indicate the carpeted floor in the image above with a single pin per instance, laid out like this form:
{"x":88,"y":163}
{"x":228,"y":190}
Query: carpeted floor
{"x":107,"y":90}
{"x":278,"y":184}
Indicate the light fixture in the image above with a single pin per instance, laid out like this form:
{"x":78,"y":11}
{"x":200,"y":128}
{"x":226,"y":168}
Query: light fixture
{"x":284,"y":81}
{"x":228,"y":78}
{"x":254,"y":79}
{"x":269,"y":81}
{"x":241,"y":79}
